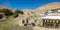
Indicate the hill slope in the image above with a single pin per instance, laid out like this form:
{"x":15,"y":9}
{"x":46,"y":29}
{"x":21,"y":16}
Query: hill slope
{"x":49,"y":6}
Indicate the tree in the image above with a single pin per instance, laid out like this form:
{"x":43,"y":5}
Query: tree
{"x":17,"y":12}
{"x":7,"y":12}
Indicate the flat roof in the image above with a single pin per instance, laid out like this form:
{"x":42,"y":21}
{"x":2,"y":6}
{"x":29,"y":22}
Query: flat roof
{"x":51,"y":17}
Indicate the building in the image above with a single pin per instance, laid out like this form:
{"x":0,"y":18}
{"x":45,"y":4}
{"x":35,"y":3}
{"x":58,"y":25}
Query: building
{"x":52,"y":21}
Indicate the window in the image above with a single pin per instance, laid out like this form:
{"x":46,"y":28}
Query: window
{"x":45,"y":20}
{"x":50,"y":20}
{"x":53,"y":21}
{"x":57,"y":21}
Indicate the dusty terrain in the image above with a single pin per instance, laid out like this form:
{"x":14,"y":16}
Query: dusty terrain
{"x":42,"y":28}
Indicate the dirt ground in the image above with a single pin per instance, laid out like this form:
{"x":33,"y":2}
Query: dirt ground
{"x":42,"y":28}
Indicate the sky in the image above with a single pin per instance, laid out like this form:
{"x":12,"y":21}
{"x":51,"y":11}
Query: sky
{"x":24,"y":4}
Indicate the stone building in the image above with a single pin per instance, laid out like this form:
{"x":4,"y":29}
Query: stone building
{"x":52,"y":21}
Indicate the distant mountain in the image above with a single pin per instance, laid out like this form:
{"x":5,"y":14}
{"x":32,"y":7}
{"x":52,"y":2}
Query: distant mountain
{"x":27,"y":10}
{"x":49,"y":6}
{"x":3,"y":7}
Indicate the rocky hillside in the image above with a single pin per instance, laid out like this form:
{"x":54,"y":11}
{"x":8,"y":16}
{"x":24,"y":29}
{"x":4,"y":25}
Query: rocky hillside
{"x":49,"y":6}
{"x":15,"y":17}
